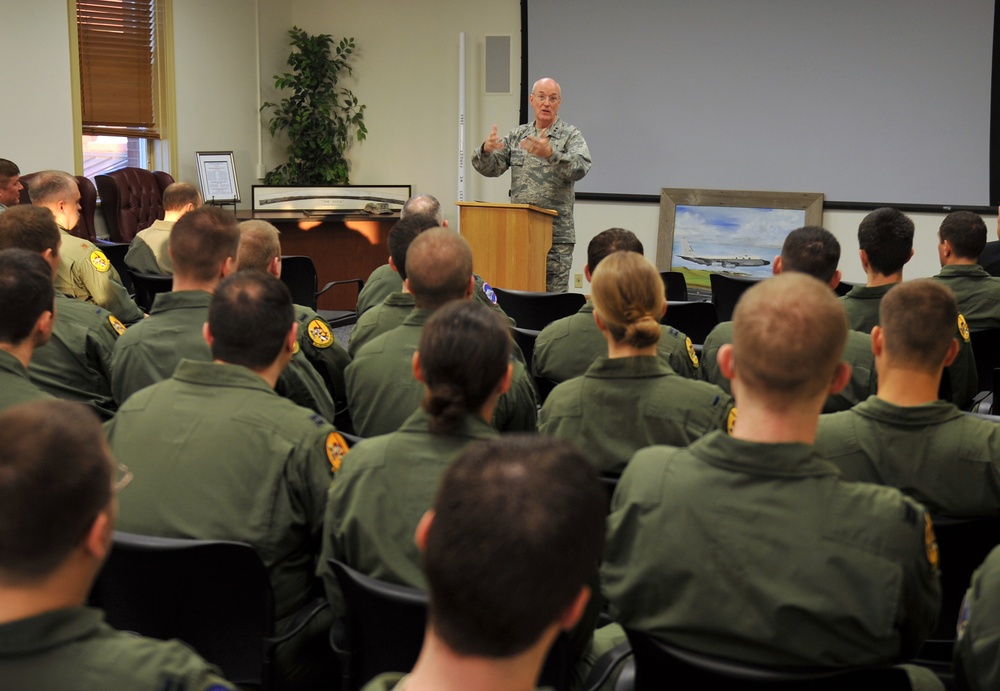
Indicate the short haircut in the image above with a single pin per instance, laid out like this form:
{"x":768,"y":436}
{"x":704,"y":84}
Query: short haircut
{"x":608,"y":241}
{"x":249,"y":317}
{"x":518,"y":531}
{"x":919,"y":319}
{"x":55,"y":478}
{"x":26,"y":293}
{"x":811,"y":250}
{"x":27,"y":227}
{"x":440,"y":266}
{"x":628,"y":295}
{"x":259,"y":244}
{"x":788,"y":337}
{"x":464,"y":350}
{"x":51,"y":186}
{"x":201,"y":240}
{"x":966,"y":232}
{"x":8,"y":170}
{"x":886,"y":236}
{"x":403,"y":233}
{"x":423,"y":204}
{"x":180,"y":194}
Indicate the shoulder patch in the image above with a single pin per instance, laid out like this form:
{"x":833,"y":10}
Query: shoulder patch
{"x":100,"y":261}
{"x":488,"y":292}
{"x":319,"y":333}
{"x":731,"y":422}
{"x":295,"y":348}
{"x":116,"y":325}
{"x":930,"y":543}
{"x":963,"y":328}
{"x":336,"y":449}
{"x":691,"y":352}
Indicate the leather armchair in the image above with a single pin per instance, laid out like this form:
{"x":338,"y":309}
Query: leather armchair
{"x":131,"y":199}
{"x":85,"y":228}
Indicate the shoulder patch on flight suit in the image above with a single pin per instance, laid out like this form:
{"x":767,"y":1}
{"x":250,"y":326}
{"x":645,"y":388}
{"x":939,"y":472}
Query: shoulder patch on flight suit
{"x":100,"y":261}
{"x":930,"y":542}
{"x":295,"y":348}
{"x":116,"y":325}
{"x":691,"y":352}
{"x":488,"y":292}
{"x":336,"y":449}
{"x":731,"y":422}
{"x":319,"y":333}
{"x":963,"y":328}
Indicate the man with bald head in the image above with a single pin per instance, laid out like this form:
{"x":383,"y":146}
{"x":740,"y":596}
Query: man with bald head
{"x":148,"y":252}
{"x":381,"y":390}
{"x":546,"y":157}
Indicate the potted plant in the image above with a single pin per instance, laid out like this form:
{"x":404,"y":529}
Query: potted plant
{"x":318,"y":116}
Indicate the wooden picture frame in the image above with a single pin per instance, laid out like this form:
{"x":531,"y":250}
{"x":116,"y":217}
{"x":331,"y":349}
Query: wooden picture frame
{"x":327,"y":199}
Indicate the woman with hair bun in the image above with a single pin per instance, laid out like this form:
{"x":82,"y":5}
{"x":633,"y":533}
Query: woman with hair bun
{"x":387,"y":482}
{"x":630,"y":399}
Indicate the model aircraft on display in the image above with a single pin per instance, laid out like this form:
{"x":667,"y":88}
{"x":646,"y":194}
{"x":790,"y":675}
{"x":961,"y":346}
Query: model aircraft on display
{"x":690,"y":256}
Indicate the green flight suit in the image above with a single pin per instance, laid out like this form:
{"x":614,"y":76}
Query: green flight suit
{"x":148,"y":252}
{"x":217,"y":454}
{"x":382,"y":281}
{"x":15,"y":387}
{"x":857,"y":353}
{"x":388,"y":681}
{"x":760,"y":553}
{"x":566,"y":348}
{"x":75,"y":364}
{"x":943,"y":458}
{"x":328,"y":358}
{"x":384,"y":487}
{"x":977,"y":292}
{"x":382,"y":392}
{"x":977,"y":652}
{"x":74,"y":648}
{"x":861,"y":304}
{"x":383,"y":317}
{"x":86,"y":273}
{"x":624,"y":404}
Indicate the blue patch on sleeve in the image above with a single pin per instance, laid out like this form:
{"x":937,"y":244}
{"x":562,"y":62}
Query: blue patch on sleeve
{"x":489,"y":293}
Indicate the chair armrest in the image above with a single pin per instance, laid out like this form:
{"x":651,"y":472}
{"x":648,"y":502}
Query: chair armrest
{"x":605,"y":665}
{"x":301,"y":619}
{"x":361,"y":284}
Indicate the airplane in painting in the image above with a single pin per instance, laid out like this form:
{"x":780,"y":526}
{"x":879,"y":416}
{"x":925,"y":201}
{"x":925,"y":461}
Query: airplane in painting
{"x":690,"y":256}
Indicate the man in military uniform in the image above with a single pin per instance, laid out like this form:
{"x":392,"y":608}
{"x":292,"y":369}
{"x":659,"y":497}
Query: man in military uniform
{"x":85,"y":272}
{"x":977,"y":652}
{"x":10,"y":184}
{"x":148,"y":251}
{"x":815,"y":251}
{"x":545,"y":157}
{"x":26,"y":317}
{"x":961,"y":239}
{"x":905,"y":437}
{"x":567,"y":347}
{"x":218,"y":455}
{"x":885,"y":237}
{"x":783,"y":562}
{"x":381,"y":391}
{"x":556,"y":525}
{"x":76,"y":362}
{"x":54,"y":462}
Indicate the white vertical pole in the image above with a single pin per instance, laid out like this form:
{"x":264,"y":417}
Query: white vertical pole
{"x":461,"y":120}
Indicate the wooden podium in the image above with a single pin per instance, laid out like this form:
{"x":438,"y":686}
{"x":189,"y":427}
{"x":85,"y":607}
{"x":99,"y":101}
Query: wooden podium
{"x":509,"y":242}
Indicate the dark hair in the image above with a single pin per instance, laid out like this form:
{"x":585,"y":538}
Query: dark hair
{"x":405,"y":232}
{"x":440,"y":267}
{"x":50,"y":186}
{"x":249,"y":317}
{"x":26,"y":293}
{"x":919,"y":319}
{"x":608,"y":241}
{"x":464,"y":350}
{"x":55,"y":477}
{"x":886,"y":236}
{"x":966,"y":232}
{"x":201,"y":240}
{"x":179,"y":194}
{"x":811,"y":250}
{"x":28,"y":227}
{"x":518,"y":530}
{"x":424,"y":204}
{"x":8,"y":169}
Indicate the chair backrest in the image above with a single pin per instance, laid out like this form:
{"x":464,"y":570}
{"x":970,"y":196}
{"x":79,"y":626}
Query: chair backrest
{"x":299,"y":274}
{"x":525,"y":340}
{"x":695,"y":319}
{"x":131,"y":199}
{"x":537,"y":310}
{"x":986,"y":351}
{"x":148,"y":286}
{"x":660,"y":665}
{"x":85,"y":227}
{"x":675,"y":285}
{"x":726,"y":291}
{"x":212,"y":594}
{"x":843,"y":288}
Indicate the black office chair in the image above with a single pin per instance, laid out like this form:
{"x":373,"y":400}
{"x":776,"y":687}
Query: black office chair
{"x":675,"y":285}
{"x":299,"y":274}
{"x":726,"y":291}
{"x":843,"y":288}
{"x":694,"y":319}
{"x":525,"y":340}
{"x":115,"y":252}
{"x":148,"y":286}
{"x":537,"y":310}
{"x":214,"y":595}
{"x":660,"y":665}
{"x":986,"y":351}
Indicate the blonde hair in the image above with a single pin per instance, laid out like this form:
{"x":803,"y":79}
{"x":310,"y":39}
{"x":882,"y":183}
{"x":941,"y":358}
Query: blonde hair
{"x":628,"y":294}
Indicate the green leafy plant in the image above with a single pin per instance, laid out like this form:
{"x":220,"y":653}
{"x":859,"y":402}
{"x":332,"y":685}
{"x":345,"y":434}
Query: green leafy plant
{"x":318,"y":117}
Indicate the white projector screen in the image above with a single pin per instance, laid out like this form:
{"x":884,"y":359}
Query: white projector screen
{"x":882,"y":101}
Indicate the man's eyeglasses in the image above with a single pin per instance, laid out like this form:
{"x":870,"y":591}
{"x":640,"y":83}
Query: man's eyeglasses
{"x":555,"y":98}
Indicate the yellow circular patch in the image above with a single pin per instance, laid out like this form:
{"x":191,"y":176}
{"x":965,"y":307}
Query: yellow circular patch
{"x":930,"y":542}
{"x":963,"y":328}
{"x":336,"y":449}
{"x":731,"y":422}
{"x":319,"y":333}
{"x":691,"y":352}
{"x":100,"y":261}
{"x":116,"y":325}
{"x":295,"y":348}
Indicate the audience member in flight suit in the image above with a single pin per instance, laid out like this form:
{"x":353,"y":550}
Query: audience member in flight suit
{"x":27,"y":301}
{"x":961,"y":239}
{"x":977,"y":653}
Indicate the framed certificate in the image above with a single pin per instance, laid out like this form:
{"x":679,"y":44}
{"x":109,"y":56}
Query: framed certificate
{"x":217,"y":177}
